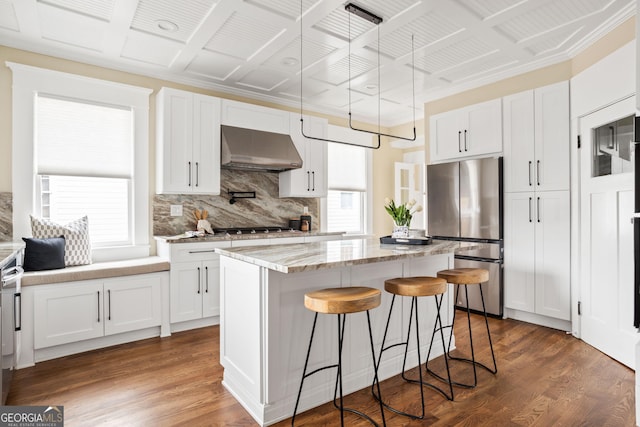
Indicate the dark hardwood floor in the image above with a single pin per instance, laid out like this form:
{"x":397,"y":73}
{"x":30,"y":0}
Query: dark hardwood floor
{"x":545,"y":378}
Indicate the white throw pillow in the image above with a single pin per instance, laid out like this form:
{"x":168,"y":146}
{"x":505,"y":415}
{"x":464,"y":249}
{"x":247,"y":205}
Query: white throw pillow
{"x":76,"y":233}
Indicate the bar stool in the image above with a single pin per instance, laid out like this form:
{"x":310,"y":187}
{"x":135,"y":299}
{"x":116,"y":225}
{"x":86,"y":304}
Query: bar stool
{"x":414,"y":287}
{"x":341,"y":301}
{"x":465,"y":277}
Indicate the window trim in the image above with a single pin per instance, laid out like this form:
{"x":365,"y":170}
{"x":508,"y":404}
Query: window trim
{"x":28,"y":81}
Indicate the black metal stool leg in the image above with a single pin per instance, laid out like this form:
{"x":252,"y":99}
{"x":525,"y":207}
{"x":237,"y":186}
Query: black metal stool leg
{"x":486,"y":322}
{"x":304,"y":371}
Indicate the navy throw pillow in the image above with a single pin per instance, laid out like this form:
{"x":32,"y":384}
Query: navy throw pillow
{"x":43,"y":254}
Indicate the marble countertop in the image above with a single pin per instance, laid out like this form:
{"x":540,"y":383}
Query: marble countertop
{"x":297,"y":257}
{"x":8,"y":251}
{"x":221,"y":237}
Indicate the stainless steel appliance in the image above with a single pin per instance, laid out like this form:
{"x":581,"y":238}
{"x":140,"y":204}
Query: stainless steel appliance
{"x":464,"y":202}
{"x":10,"y":320}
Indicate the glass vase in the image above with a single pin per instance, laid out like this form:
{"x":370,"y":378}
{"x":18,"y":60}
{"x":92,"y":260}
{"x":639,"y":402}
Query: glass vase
{"x":400,"y":231}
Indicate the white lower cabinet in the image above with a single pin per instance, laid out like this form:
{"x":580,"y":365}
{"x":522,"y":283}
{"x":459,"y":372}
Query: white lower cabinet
{"x":195,"y":289}
{"x":95,"y":308}
{"x":537,"y":253}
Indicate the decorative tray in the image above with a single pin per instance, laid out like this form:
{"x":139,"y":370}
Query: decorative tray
{"x":405,"y":240}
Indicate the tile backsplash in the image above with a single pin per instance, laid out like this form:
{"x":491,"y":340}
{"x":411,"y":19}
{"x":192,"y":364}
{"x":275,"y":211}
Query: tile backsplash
{"x":6,"y":216}
{"x":266,"y":209}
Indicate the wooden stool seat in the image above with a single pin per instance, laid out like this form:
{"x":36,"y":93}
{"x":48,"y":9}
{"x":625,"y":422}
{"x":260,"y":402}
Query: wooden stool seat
{"x":342,"y":300}
{"x":465,"y":276}
{"x":420,"y":286}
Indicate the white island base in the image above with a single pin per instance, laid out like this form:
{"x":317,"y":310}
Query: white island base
{"x":265,"y":328}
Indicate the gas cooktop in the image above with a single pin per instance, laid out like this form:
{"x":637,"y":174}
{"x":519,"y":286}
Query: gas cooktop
{"x":253,"y":230}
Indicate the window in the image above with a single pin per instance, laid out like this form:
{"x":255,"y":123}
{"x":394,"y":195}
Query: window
{"x":81,"y":147}
{"x":347,"y":185}
{"x":84,"y":163}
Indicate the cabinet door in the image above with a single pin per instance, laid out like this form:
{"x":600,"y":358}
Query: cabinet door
{"x":552,"y":137}
{"x":483,"y":131}
{"x":186,"y":291}
{"x":69,"y":313}
{"x":249,"y":116}
{"x":311,"y":179}
{"x":205,"y":178}
{"x":446,"y":136}
{"x":211,"y":288}
{"x":553,"y":254}
{"x":174,"y":139}
{"x":519,"y":251}
{"x":132,"y":303}
{"x":518,"y":123}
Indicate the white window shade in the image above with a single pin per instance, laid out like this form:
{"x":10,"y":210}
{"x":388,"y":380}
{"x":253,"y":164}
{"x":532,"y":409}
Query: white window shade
{"x":98,"y":144}
{"x":347,"y":167}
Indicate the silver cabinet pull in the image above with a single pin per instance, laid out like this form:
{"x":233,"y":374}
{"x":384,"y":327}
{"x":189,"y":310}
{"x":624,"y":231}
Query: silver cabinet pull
{"x":202,"y":252}
{"x":109,"y":302}
{"x":530,"y":209}
{"x":538,"y":172}
{"x":98,"y":306}
{"x":189,"y":163}
{"x":199,"y":278}
{"x":313,"y":181}
{"x":465,"y":140}
{"x":197,"y":174}
{"x":308,"y":181}
{"x":459,"y":141}
{"x":538,"y":208}
{"x":206,"y":280}
{"x":530,"y":173}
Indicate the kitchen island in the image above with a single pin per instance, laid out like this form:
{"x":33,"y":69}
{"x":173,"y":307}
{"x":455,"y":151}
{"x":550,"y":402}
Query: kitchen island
{"x":264,"y":326}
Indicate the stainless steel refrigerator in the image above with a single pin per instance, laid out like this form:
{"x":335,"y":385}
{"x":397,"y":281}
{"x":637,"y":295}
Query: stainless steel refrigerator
{"x":465,"y":202}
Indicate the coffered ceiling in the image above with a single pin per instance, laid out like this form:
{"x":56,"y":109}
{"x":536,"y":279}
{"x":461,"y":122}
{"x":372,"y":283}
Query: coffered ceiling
{"x":253,"y":48}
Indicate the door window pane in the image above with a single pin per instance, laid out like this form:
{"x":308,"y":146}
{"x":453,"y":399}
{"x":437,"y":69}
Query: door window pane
{"x":613,"y":148}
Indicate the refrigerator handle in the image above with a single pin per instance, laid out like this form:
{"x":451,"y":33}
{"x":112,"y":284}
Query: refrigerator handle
{"x":459,"y":141}
{"x":538,"y":208}
{"x":530,"y":199}
{"x":530,"y":163}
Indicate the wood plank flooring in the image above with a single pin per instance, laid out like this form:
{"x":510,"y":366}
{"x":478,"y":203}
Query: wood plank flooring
{"x":545,"y":378}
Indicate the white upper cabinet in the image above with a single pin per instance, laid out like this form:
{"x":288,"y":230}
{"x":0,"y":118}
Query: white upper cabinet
{"x":471,"y":131}
{"x":536,"y":136}
{"x":311,"y":179}
{"x":188,"y":143}
{"x":249,"y":116}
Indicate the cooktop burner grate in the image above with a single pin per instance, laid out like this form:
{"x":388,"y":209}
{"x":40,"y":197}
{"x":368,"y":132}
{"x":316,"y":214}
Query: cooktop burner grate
{"x":252,"y":230}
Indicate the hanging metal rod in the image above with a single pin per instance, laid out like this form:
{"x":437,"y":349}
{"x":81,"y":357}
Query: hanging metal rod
{"x":375,"y":147}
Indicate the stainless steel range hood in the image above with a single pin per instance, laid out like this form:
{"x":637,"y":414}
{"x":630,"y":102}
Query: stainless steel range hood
{"x":257,"y":150}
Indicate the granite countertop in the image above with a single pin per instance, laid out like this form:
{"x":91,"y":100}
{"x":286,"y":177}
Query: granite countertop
{"x":8,"y":251}
{"x":297,"y":257}
{"x":221,"y":237}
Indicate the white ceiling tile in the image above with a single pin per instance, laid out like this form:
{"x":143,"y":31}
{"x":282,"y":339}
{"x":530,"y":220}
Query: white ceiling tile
{"x":213,"y":65}
{"x":8,"y":18}
{"x":555,"y":42}
{"x":311,"y":87}
{"x":263,"y":79}
{"x":186,"y":14}
{"x":549,"y":15}
{"x":340,"y":71}
{"x":73,"y":29}
{"x":312,"y":51}
{"x":493,"y":63}
{"x":426,"y":29}
{"x":102,"y":9}
{"x":484,"y":9}
{"x":242,"y":36}
{"x":452,"y":55}
{"x":143,"y":47}
{"x":287,"y":8}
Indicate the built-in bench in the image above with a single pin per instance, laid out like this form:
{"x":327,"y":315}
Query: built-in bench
{"x":99,"y":270}
{"x":86,"y":307}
